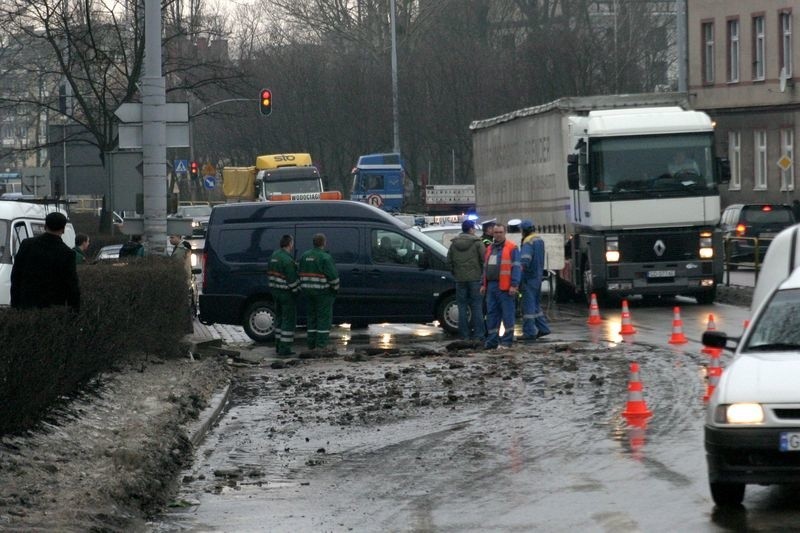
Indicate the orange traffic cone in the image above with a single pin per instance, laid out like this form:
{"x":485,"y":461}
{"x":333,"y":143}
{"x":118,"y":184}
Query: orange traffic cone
{"x":711,"y":326}
{"x":627,"y":327}
{"x":594,"y":312}
{"x":713,"y":374}
{"x":677,"y":336}
{"x":636,"y":405}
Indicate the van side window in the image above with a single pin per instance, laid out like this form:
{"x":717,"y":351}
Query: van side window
{"x":5,"y":245}
{"x":19,"y":234}
{"x":389,"y":247}
{"x":341,"y":243}
{"x":251,"y":245}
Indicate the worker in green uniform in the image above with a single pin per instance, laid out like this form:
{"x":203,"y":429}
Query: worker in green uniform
{"x":284,"y":285}
{"x":319,"y":281}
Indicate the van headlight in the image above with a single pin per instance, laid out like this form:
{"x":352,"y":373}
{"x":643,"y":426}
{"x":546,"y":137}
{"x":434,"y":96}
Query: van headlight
{"x":739,"y":413}
{"x":706,"y":246}
{"x":195,"y":224}
{"x":612,"y":250}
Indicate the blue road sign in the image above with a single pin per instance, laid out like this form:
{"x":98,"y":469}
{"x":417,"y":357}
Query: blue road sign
{"x":181,"y":165}
{"x":210,"y":181}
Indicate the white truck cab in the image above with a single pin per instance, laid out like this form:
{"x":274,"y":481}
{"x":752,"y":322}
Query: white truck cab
{"x":20,"y":219}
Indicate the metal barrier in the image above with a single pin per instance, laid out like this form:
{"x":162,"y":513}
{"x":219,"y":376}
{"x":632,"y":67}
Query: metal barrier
{"x":756,"y":243}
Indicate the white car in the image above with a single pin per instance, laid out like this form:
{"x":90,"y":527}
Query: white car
{"x":442,"y":234}
{"x":752,"y":431}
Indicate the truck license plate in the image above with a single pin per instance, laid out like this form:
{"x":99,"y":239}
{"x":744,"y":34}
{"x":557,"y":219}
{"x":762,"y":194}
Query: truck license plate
{"x":661,"y":274}
{"x":790,"y":441}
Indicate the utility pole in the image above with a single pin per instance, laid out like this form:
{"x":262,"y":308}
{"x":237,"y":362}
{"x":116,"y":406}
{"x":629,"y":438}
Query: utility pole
{"x":154,"y":134}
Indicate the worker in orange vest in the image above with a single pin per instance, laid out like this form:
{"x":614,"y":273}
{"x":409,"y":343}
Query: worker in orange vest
{"x":501,"y":278}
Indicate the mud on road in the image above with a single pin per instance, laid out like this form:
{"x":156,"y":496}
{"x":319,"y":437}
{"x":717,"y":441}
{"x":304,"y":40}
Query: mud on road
{"x":379,"y":439}
{"x":109,"y":457}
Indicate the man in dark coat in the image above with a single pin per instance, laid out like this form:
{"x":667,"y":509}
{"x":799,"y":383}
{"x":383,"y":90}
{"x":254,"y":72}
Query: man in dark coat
{"x":44,"y":272}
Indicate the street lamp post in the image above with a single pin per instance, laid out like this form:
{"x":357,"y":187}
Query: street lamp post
{"x":395,"y":112}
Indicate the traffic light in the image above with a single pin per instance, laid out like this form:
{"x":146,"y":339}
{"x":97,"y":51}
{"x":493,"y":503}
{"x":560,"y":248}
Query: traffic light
{"x":265,"y":102}
{"x":194,"y":170}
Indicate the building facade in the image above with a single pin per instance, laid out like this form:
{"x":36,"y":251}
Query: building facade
{"x":743,"y":73}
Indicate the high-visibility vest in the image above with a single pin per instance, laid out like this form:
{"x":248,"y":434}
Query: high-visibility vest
{"x":504,"y":280}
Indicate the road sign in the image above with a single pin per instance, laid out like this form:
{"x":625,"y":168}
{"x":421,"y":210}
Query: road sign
{"x":375,"y":199}
{"x":785,"y":162}
{"x":181,"y":165}
{"x":209,"y":170}
{"x":209,"y":182}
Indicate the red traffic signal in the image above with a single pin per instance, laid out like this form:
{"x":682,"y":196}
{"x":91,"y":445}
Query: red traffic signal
{"x":194,"y":170}
{"x":265,"y":102}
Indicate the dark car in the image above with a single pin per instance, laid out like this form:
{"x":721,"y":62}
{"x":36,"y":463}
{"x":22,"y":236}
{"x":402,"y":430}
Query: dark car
{"x":748,"y":228}
{"x":411,"y":283}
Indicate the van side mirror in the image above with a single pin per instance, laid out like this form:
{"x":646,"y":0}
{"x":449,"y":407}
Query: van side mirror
{"x":424,"y":260}
{"x":723,"y":170}
{"x":718,"y":339}
{"x":573,"y":173}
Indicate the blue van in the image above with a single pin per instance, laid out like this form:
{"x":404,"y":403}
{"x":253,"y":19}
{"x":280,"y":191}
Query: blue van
{"x":389,"y":271}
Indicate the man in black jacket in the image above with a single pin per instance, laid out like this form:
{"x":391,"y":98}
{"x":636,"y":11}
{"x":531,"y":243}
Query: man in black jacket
{"x":44,"y":272}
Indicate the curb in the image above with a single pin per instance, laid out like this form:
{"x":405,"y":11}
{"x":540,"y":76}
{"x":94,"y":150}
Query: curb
{"x":209,"y":416}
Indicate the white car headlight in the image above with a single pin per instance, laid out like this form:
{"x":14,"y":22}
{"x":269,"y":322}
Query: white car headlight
{"x":740,"y":413}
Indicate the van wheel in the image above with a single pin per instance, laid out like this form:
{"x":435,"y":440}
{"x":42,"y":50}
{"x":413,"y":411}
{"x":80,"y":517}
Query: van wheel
{"x":727,"y":494}
{"x":259,"y":321}
{"x":447,"y":314}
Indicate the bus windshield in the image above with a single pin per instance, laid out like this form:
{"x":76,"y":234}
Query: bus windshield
{"x":657,"y":166}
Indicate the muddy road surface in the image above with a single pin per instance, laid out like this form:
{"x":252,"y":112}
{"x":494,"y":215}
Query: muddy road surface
{"x":402,"y":434}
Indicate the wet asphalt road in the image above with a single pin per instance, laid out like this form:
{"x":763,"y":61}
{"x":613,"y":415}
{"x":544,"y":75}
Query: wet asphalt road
{"x":531,"y":439}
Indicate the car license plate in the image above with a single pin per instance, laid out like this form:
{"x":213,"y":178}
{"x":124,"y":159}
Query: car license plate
{"x":766,"y":235}
{"x":661,"y":274}
{"x":790,"y":441}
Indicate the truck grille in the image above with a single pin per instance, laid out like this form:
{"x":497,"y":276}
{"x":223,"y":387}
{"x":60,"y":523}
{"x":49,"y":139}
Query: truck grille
{"x":642,"y":247}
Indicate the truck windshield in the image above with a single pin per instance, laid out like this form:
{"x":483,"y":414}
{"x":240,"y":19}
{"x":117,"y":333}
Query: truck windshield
{"x":292,"y":186}
{"x":657,"y":165}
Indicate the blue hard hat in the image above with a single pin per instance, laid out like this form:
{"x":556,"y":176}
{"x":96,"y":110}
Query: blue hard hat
{"x":526,"y":224}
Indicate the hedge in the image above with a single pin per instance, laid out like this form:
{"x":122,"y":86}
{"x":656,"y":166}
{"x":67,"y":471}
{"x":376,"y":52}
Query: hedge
{"x":128,"y":310}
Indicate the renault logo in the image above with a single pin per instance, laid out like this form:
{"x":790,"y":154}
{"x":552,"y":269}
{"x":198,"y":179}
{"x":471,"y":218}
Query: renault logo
{"x":659,"y":248}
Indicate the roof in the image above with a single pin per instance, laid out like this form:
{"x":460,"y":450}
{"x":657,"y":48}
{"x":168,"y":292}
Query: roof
{"x":584,"y":104}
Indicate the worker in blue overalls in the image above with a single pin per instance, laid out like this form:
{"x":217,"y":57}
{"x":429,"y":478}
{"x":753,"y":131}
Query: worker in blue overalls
{"x":534,"y":323}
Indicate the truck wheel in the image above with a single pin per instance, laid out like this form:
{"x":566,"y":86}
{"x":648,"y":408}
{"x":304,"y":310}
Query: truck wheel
{"x":564,"y":292}
{"x":707,"y":297}
{"x":727,"y":494}
{"x":603,"y":299}
{"x":447,"y":314}
{"x":259,"y":321}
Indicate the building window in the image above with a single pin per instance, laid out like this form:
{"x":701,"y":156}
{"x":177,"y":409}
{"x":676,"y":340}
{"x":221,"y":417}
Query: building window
{"x":733,"y":50}
{"x":735,"y":158}
{"x":758,"y":48}
{"x":787,"y":149}
{"x":760,"y":159}
{"x":786,"y":43}
{"x":708,"y":52}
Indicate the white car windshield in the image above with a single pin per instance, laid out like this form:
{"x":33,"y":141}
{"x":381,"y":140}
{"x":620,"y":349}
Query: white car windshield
{"x":778,"y":326}
{"x":195,"y":211}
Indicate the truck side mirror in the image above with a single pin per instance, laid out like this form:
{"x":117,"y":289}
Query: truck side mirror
{"x":723,"y":170}
{"x":573,"y":173}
